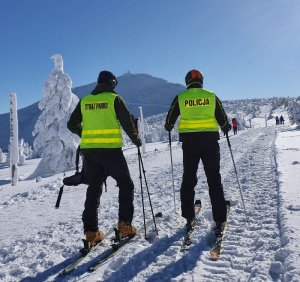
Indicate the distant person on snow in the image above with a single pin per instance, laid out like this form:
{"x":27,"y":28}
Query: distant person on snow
{"x":277,"y":120}
{"x":281,"y":119}
{"x":201,"y":114}
{"x":234,"y":125}
{"x":97,"y":119}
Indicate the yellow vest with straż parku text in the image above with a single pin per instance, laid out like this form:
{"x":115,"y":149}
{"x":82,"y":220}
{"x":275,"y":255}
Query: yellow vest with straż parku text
{"x":100,"y":126}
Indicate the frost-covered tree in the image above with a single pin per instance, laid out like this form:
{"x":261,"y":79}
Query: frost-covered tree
{"x":22,"y":157}
{"x":2,"y":156}
{"x":54,"y":142}
{"x":240,"y":119}
{"x":25,"y":152}
{"x":294,"y":112}
{"x":27,"y":149}
{"x":156,"y":130}
{"x":8,"y":155}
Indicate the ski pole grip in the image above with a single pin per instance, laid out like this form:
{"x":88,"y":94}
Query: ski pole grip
{"x":139,"y":152}
{"x":59,"y":197}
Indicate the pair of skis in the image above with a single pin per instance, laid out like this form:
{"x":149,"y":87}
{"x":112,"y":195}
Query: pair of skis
{"x":115,"y":247}
{"x":85,"y":252}
{"x":107,"y":254}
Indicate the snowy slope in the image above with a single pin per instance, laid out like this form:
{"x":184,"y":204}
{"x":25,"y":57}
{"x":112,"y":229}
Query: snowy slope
{"x":37,"y":240}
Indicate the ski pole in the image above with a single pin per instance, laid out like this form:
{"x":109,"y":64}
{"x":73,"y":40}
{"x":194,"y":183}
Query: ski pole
{"x":61,"y":190}
{"x":237,"y":178}
{"x":154,"y":221}
{"x":140,"y":170}
{"x":170,"y":144}
{"x":59,"y":197}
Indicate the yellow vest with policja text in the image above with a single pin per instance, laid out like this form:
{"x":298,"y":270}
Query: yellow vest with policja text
{"x":197,"y":111}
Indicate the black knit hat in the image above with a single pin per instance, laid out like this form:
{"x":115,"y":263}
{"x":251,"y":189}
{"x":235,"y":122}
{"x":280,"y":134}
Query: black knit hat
{"x":107,"y":77}
{"x":194,"y":76}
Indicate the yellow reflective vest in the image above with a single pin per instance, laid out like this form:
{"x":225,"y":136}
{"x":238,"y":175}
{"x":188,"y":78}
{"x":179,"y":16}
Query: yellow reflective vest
{"x":197,"y":111}
{"x":100,"y":126}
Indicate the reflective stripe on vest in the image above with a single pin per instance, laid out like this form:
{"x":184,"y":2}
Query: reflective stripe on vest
{"x":100,"y":127}
{"x":197,"y":111}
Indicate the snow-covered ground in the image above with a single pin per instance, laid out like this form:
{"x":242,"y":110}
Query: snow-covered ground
{"x":37,"y":241}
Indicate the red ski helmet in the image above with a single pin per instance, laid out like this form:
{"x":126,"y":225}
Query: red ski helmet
{"x":194,"y":76}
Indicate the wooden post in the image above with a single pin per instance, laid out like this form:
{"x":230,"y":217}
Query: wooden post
{"x":14,"y":140}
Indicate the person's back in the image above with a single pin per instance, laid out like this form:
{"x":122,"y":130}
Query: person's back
{"x":207,"y":129}
{"x":201,"y":114}
{"x":97,"y":119}
{"x":234,"y":125}
{"x":281,"y":120}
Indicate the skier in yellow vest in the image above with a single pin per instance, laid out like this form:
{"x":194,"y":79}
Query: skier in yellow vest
{"x":97,"y":119}
{"x":201,"y":115}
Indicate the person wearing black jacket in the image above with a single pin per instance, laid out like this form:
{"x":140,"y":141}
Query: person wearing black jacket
{"x":201,"y":114}
{"x":97,"y":119}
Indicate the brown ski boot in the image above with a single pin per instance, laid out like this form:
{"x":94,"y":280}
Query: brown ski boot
{"x":126,"y":229}
{"x":94,"y":237}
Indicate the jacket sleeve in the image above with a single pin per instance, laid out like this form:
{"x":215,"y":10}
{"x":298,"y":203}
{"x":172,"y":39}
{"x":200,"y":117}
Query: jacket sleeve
{"x":220,"y":115}
{"x":125,"y":120}
{"x":172,"y":115}
{"x":74,"y":123}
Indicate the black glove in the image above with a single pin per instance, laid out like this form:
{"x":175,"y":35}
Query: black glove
{"x":226,"y":128}
{"x":169,"y":127}
{"x":137,"y":142}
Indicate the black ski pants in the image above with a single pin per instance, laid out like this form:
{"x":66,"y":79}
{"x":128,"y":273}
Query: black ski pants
{"x":97,"y":166}
{"x":210,"y":156}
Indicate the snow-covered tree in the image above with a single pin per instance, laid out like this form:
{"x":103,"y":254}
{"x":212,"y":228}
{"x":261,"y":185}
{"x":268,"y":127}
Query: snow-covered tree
{"x":22,"y":157}
{"x":241,"y":121}
{"x":8,"y":155}
{"x":2,"y":156}
{"x":27,"y":149}
{"x":23,"y":152}
{"x":54,"y":142}
{"x":294,"y":112}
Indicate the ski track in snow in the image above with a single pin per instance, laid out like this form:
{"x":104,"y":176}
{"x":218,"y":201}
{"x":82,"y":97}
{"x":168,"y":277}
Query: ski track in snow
{"x":249,"y":249}
{"x":245,"y":256}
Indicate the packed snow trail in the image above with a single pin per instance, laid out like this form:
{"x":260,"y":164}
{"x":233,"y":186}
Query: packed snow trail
{"x":51,"y":238}
{"x":248,"y":249}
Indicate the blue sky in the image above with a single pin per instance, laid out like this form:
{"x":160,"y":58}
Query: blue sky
{"x":245,"y":49}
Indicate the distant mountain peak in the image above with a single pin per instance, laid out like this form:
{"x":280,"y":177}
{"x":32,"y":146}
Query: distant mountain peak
{"x":129,"y":74}
{"x":139,"y":89}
